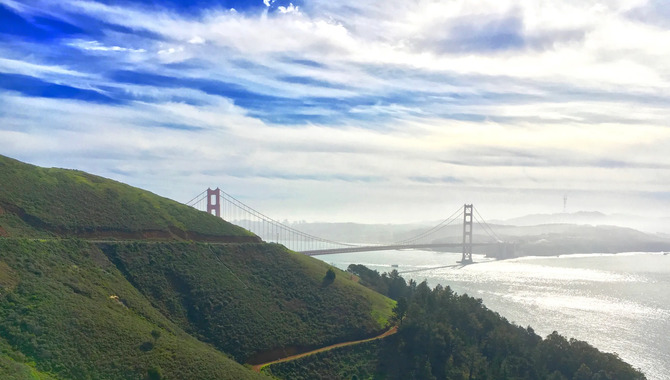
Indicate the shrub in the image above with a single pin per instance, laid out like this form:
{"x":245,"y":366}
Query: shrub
{"x":329,"y":278}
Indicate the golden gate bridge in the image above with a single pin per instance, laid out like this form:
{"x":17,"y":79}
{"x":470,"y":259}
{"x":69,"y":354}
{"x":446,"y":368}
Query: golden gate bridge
{"x":223,"y":205}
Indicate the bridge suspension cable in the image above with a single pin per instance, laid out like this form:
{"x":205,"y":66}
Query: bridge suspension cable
{"x":267,"y":228}
{"x":485,"y":226}
{"x":443,"y":224}
{"x":234,"y":201}
{"x":196,"y":199}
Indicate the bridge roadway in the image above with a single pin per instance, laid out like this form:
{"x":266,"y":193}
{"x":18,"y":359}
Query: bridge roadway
{"x":370,"y":248}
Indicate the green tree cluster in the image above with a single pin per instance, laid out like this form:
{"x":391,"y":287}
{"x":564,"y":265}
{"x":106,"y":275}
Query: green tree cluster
{"x":390,"y":284}
{"x":451,"y":336}
{"x":444,"y":335}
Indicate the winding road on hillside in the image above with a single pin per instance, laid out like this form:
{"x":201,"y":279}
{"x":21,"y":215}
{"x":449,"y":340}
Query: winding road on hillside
{"x":389,"y":332}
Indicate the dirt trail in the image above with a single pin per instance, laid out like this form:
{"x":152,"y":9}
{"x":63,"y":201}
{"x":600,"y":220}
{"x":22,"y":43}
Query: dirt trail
{"x":390,"y":331}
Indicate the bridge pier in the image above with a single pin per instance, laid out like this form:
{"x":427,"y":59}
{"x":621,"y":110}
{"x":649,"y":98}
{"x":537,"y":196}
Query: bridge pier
{"x":467,"y":234}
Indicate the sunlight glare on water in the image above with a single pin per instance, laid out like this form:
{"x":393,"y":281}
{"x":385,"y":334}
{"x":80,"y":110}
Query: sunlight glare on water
{"x":618,"y":303}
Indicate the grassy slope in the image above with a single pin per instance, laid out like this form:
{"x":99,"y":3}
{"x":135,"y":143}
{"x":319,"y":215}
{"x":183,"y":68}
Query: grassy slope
{"x":65,"y":307}
{"x":254,"y":301}
{"x":37,"y":201}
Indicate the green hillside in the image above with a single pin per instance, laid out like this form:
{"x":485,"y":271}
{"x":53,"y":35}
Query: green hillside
{"x":66,"y":310}
{"x":254,"y":301}
{"x":44,"y":202}
{"x":101,"y":280}
{"x":13,"y":365}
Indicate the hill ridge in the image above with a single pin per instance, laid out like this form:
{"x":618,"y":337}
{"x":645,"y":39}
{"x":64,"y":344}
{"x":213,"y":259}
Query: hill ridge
{"x":41,"y":202}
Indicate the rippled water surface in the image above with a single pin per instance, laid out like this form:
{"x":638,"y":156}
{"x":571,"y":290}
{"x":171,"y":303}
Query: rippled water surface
{"x":618,"y":303}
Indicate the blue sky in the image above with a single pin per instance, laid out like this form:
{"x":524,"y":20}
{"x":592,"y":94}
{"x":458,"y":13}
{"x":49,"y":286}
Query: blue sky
{"x":349,"y":110}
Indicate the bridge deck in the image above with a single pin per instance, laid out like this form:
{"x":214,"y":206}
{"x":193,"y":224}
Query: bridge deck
{"x":371,"y":248}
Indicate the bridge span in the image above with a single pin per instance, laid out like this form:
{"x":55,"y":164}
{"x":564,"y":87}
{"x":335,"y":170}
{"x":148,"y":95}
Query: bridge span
{"x":371,"y":248}
{"x":223,"y":205}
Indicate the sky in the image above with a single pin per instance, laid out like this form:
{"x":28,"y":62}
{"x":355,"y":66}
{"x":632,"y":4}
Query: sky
{"x":362,"y":111}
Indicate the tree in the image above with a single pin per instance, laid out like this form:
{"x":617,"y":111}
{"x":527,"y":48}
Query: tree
{"x":397,"y":287}
{"x":154,"y":373}
{"x":400,"y":309}
{"x":556,"y":375}
{"x":583,"y":373}
{"x":329,"y":278}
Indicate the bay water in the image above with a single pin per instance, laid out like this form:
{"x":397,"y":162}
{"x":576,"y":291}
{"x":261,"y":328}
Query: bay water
{"x":617,"y":302}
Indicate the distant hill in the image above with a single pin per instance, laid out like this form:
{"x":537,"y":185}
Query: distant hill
{"x":558,"y":239}
{"x":562,"y":239}
{"x":360,"y":233}
{"x":650,"y":225}
{"x":532,"y":239}
{"x":535,"y":235}
{"x":102,"y":280}
{"x":580,"y":217}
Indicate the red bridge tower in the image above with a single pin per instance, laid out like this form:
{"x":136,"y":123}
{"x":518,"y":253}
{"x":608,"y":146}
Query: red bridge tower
{"x":213,"y":199}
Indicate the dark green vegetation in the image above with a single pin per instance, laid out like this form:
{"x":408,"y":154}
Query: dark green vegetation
{"x":360,"y":361}
{"x":13,"y":365}
{"x":256,"y":302}
{"x":68,"y":311}
{"x":44,"y":202}
{"x":450,"y":336}
{"x":390,"y":284}
{"x":148,"y":295}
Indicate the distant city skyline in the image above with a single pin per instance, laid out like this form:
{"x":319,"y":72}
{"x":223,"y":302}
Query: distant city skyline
{"x":349,"y":111}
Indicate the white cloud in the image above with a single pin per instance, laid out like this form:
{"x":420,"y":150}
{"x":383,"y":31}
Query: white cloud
{"x":579,"y":104}
{"x":197,"y":40}
{"x":97,"y":46}
{"x":171,"y":50}
{"x":290,"y":9}
{"x":24,"y":67}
